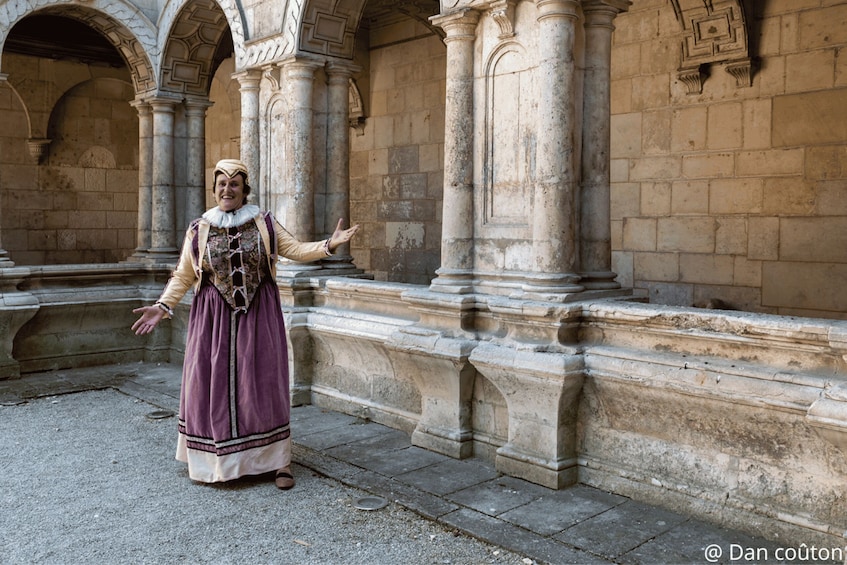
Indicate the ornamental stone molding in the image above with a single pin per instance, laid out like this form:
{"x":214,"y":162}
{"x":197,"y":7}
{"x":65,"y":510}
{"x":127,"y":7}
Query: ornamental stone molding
{"x":269,"y":50}
{"x":714,"y":31}
{"x":121,"y":23}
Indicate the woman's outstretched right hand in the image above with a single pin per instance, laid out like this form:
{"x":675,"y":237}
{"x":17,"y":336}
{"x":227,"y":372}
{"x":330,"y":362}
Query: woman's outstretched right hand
{"x":150,"y":317}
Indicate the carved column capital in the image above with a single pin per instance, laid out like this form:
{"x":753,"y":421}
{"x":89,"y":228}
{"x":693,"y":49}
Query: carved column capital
{"x":248,"y":79}
{"x":458,"y":25}
{"x":601,"y":13}
{"x":558,"y":9}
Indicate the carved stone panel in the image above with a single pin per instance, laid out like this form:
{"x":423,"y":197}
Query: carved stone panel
{"x":509,"y":137}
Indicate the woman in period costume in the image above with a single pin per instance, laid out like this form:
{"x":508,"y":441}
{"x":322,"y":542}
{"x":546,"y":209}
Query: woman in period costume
{"x":235,"y":402}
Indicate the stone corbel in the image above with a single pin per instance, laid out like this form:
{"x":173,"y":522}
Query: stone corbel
{"x":742,"y":70}
{"x":828,"y":416}
{"x":692,"y":79}
{"x":38,"y":148}
{"x":272,"y":73}
{"x":356,"y":116}
{"x":503,"y":12}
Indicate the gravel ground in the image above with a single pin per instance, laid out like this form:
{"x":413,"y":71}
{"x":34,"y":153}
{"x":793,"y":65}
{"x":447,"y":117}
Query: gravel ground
{"x":90,"y":478}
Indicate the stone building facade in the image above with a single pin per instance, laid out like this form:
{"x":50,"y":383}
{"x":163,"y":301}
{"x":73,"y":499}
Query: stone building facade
{"x":602,"y":239}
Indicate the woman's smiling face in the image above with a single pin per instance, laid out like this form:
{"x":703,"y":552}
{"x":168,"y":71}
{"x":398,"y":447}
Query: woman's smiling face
{"x":229,"y":192}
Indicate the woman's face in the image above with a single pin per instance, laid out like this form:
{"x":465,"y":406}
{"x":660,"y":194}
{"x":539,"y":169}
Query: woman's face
{"x":229,"y":192}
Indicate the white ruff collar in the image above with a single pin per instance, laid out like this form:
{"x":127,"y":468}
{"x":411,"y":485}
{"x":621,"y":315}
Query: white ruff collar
{"x":220,"y":219}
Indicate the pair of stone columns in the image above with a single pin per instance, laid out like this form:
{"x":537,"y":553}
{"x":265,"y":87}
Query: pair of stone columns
{"x":297,"y":77}
{"x":571,"y":251}
{"x":160,"y":220}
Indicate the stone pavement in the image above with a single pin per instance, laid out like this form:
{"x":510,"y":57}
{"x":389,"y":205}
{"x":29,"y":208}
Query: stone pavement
{"x":577,"y":525}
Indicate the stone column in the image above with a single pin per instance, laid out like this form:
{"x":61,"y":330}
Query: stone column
{"x":298,"y":81}
{"x":595,"y":238}
{"x":162,"y":231}
{"x":554,"y":248}
{"x":145,"y":181}
{"x":195,"y":115}
{"x":249,"y":82}
{"x":5,"y":261}
{"x":455,"y":274}
{"x":338,"y":157}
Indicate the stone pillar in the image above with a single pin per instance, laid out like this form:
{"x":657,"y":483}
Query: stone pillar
{"x":455,"y":274}
{"x":5,"y":261}
{"x":195,"y":115}
{"x":249,"y":82}
{"x":298,"y":81}
{"x":145,"y":180}
{"x":338,"y":158}
{"x":162,"y":231}
{"x":595,"y":238}
{"x":554,"y":234}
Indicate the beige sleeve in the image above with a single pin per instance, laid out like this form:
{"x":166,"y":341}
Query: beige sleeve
{"x":289,"y":247}
{"x":182,"y":278}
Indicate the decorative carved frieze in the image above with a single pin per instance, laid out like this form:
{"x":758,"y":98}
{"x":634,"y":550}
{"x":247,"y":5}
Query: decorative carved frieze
{"x":714,"y":31}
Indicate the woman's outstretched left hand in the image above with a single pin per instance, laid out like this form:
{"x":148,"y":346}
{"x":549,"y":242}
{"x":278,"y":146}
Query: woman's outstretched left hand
{"x":150,"y":317}
{"x":340,"y":235}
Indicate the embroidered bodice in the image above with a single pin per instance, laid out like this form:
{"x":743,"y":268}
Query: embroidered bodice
{"x":235,"y":263}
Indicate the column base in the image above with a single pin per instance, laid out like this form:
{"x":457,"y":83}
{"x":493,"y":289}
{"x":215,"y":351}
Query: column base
{"x":453,"y":281}
{"x":600,"y":280}
{"x":154,"y":256}
{"x":550,"y":288}
{"x":5,"y":261}
{"x":309,"y":270}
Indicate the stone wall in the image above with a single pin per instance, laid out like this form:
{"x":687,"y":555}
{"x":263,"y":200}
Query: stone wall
{"x":79,"y":204}
{"x":396,"y":163}
{"x":736,"y":193}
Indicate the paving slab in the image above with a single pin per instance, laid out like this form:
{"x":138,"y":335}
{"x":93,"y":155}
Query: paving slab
{"x":498,"y":495}
{"x":603,"y":534}
{"x":517,"y":539}
{"x":557,"y":510}
{"x":449,"y":476}
{"x":401,"y":461}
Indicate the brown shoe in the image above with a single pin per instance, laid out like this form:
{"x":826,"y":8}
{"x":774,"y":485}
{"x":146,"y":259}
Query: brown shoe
{"x":284,"y":479}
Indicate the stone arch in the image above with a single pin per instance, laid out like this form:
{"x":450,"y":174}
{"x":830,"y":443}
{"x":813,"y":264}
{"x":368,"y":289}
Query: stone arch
{"x":192,"y":36}
{"x":121,"y":23}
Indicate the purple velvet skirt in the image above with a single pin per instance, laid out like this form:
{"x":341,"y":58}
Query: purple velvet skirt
{"x":235,"y":403}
